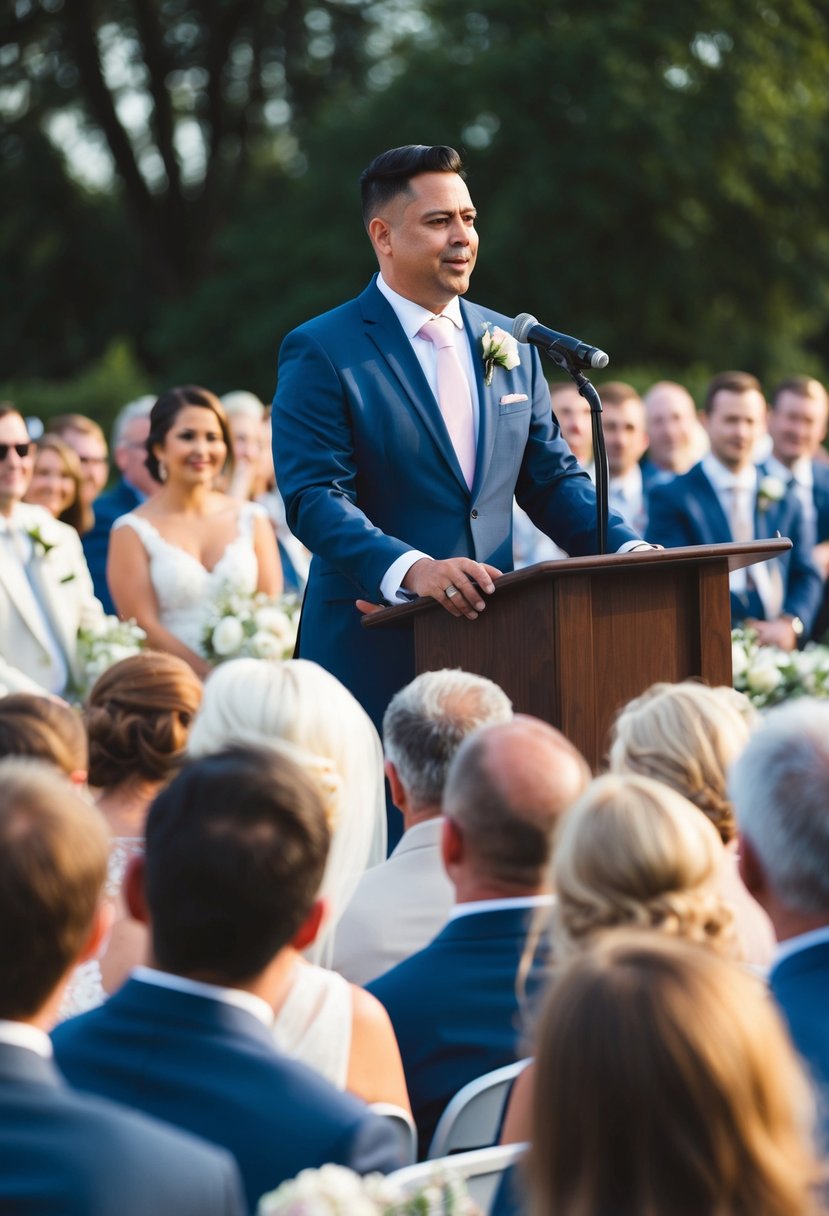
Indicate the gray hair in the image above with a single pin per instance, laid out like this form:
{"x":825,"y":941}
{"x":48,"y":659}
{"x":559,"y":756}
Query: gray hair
{"x":240,"y":401}
{"x":426,"y":722}
{"x":140,"y":408}
{"x":780,"y":790}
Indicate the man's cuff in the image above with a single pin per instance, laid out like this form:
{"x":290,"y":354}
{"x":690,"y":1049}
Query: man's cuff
{"x":632,"y":546}
{"x":390,"y":584}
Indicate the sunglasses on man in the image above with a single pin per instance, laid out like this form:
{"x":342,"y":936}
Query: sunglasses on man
{"x":22,"y":450}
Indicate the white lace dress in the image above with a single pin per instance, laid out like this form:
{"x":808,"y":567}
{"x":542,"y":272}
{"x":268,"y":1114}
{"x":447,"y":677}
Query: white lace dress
{"x":183,"y":586}
{"x":314,"y":1023}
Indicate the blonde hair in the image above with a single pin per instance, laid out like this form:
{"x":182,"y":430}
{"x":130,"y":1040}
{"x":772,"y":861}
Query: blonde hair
{"x":665,"y":1083}
{"x":686,"y":736}
{"x":633,"y":852}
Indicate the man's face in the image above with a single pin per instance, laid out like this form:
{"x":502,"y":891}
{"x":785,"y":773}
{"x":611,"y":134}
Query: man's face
{"x":797,"y":426}
{"x":573,"y":414}
{"x":426,"y":240}
{"x":671,"y":420}
{"x":735,"y":423}
{"x":15,"y":470}
{"x":92,"y":453}
{"x":131,"y":455}
{"x":624,"y":435}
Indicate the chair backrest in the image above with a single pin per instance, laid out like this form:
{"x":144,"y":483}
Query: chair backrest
{"x":404,"y":1127}
{"x":481,"y":1170}
{"x":473,"y":1117}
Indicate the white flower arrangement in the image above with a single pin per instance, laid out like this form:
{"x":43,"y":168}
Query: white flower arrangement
{"x":334,"y":1190}
{"x":250,"y":626}
{"x":103,"y":641}
{"x":769,"y":491}
{"x":769,"y":676}
{"x":500,"y":349}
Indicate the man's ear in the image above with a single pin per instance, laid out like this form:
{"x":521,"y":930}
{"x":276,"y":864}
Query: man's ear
{"x":308,"y":931}
{"x":751,"y":869}
{"x":451,"y":845}
{"x":134,"y":894}
{"x":380,"y":232}
{"x":398,"y":790}
{"x":99,"y":931}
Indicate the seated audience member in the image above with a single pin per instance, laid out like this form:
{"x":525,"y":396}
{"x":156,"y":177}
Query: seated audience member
{"x":64,"y":1153}
{"x":779,"y":787}
{"x":676,"y":437}
{"x":134,"y":486}
{"x":138,"y":716}
{"x":246,"y":418}
{"x":43,"y":728}
{"x":727,"y":498}
{"x":86,"y":437}
{"x":687,"y":736}
{"x":57,"y":481}
{"x":400,"y":905}
{"x":299,"y":710}
{"x":454,"y":1005}
{"x":797,"y":426}
{"x":45,"y":588}
{"x":626,"y":439}
{"x":666,"y":1084}
{"x":235,"y":850}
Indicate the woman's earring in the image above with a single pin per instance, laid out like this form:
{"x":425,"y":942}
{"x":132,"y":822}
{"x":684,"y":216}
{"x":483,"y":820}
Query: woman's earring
{"x":162,"y":470}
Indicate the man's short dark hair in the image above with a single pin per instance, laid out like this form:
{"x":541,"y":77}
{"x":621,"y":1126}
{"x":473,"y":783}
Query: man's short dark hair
{"x":390,"y":173}
{"x":729,"y":382}
{"x":236,"y":846}
{"x":800,"y":386}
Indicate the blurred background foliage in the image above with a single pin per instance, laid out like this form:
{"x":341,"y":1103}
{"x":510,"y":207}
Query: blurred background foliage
{"x":179,"y":178}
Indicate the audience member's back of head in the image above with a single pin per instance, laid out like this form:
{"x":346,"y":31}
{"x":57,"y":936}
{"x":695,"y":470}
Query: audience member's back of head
{"x":507,"y":788}
{"x":665,"y":1084}
{"x":426,"y":722}
{"x":53,"y":862}
{"x":43,"y":729}
{"x":780,"y":787}
{"x":634,"y":852}
{"x":686,"y":736}
{"x":138,"y":717}
{"x":235,"y":851}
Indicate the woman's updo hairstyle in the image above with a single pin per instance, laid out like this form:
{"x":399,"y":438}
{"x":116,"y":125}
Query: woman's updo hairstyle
{"x":138,"y":718}
{"x":42,"y":729}
{"x":168,"y":407}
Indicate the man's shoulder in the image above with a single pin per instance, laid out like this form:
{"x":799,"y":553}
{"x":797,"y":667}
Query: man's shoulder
{"x":680,"y":487}
{"x":116,"y":501}
{"x":330,"y":324}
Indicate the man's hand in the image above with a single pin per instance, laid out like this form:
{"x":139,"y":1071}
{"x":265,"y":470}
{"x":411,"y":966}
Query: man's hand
{"x":775,"y":633}
{"x":459,"y":584}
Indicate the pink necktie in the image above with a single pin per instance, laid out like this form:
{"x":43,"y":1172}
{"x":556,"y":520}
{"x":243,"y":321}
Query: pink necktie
{"x":454,"y":397}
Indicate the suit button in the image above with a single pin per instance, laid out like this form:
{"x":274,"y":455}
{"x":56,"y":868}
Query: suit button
{"x":474,"y":514}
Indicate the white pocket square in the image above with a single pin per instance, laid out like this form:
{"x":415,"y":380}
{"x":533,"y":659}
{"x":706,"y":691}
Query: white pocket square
{"x":511,"y":398}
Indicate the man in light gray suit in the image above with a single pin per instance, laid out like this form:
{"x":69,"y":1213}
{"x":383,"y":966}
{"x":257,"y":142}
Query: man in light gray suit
{"x":63,"y":1153}
{"x":400,"y":905}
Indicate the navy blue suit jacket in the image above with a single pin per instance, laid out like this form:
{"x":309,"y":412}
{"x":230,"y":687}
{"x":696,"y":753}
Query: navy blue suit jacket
{"x":68,"y":1154}
{"x":687,"y":511}
{"x":368,"y":472}
{"x":820,"y":494}
{"x":213,"y":1069}
{"x":800,"y":985}
{"x":455,"y":1010}
{"x":118,"y":501}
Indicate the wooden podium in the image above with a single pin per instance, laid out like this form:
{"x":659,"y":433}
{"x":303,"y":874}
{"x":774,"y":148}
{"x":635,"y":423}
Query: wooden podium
{"x":572,"y":641}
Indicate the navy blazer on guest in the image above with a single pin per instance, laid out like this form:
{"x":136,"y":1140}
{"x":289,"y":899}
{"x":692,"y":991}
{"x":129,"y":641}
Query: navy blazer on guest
{"x":118,"y":501}
{"x":212,"y":1068}
{"x":68,"y":1154}
{"x":455,"y":1009}
{"x":687,"y":511}
{"x":820,"y":495}
{"x":800,"y":985}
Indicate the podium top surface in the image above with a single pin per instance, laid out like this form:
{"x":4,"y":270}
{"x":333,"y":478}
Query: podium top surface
{"x":736,"y":555}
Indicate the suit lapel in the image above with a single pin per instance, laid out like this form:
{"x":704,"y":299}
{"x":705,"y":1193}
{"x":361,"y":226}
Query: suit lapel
{"x":386,"y":334}
{"x":705,"y":504}
{"x":51,"y":594}
{"x":13,"y":578}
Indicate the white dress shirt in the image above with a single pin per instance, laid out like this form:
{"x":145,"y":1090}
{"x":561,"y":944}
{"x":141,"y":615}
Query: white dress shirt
{"x":626,"y":495}
{"x":473,"y":906}
{"x":23,"y":1034}
{"x":260,"y":1009}
{"x":803,"y":485}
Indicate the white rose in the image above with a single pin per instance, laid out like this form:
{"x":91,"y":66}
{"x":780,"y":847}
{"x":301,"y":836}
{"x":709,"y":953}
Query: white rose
{"x":506,"y":345}
{"x":228,"y":636}
{"x":114,"y":653}
{"x":764,"y":676}
{"x":739,"y":662}
{"x":265,"y":645}
{"x":272,"y":620}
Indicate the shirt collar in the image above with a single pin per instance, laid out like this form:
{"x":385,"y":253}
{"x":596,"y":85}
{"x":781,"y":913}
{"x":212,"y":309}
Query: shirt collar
{"x":801,"y":471}
{"x":260,"y":1009}
{"x":722,"y":478}
{"x":23,"y":1034}
{"x":630,"y":485}
{"x":803,"y":941}
{"x":413,"y":316}
{"x":500,"y":905}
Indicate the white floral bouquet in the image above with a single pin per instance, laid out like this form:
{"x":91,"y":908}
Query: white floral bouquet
{"x":769,"y":676}
{"x":102,"y":641}
{"x":334,"y":1190}
{"x":243,"y":626}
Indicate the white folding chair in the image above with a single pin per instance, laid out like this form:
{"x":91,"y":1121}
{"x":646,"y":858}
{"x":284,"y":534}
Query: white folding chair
{"x":404,"y":1127}
{"x":481,"y":1170}
{"x":473,"y":1117}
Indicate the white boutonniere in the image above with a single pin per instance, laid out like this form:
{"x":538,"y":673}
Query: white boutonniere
{"x":500,"y":349}
{"x":770,"y":490}
{"x":40,"y":546}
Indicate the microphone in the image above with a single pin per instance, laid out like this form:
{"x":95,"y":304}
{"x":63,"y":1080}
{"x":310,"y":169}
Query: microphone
{"x":526,"y":328}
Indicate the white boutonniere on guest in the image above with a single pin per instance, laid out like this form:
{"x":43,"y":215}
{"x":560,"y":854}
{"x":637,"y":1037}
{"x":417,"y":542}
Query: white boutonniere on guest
{"x":334,"y":1190}
{"x":256,"y":626}
{"x":770,"y":490}
{"x":41,"y":547}
{"x":500,"y":349}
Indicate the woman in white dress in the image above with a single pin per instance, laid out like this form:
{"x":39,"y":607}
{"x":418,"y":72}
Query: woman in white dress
{"x":189,"y":543}
{"x":302,"y":710}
